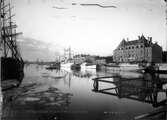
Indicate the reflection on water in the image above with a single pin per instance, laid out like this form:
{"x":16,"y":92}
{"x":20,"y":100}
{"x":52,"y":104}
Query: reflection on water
{"x":73,"y":95}
{"x":148,"y":89}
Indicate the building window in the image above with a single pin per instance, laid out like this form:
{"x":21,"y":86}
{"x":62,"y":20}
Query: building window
{"x":141,"y":46}
{"x":129,"y":47}
{"x":132,"y":47}
{"x":137,"y":46}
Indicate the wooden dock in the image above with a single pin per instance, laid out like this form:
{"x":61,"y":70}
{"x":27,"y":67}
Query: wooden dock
{"x":130,"y":88}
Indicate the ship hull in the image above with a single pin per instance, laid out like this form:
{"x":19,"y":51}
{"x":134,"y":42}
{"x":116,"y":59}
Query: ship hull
{"x":12,"y":68}
{"x":125,"y":67}
{"x":66,"y":65}
{"x":88,"y":66}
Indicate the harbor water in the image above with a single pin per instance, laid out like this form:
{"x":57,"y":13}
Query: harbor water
{"x":73,"y":95}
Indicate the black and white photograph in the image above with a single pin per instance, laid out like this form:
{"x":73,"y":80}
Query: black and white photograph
{"x":83,"y":59}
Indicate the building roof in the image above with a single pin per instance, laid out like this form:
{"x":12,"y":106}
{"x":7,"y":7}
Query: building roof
{"x":141,"y":39}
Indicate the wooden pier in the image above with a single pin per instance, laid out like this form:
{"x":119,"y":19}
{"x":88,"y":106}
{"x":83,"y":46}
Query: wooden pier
{"x":129,"y":88}
{"x":139,"y":89}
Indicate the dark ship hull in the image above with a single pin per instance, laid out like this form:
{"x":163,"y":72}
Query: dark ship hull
{"x":12,"y":69}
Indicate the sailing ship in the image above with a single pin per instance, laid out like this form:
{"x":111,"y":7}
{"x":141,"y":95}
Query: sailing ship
{"x":12,"y":64}
{"x":68,"y":61}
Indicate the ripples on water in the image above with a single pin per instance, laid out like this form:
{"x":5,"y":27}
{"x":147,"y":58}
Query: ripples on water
{"x":73,"y":95}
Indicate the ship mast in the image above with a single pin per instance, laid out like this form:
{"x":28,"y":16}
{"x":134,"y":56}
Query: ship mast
{"x":0,"y":59}
{"x":0,"y":21}
{"x":166,"y":23}
{"x":8,"y":32}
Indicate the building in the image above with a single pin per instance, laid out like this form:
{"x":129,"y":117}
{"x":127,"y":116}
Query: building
{"x":100,"y":61}
{"x":139,"y":50}
{"x":84,"y":58}
{"x":164,"y":56}
{"x":78,"y":59}
{"x":108,"y":59}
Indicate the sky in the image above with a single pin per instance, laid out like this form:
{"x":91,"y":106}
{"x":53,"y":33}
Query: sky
{"x":92,"y":29}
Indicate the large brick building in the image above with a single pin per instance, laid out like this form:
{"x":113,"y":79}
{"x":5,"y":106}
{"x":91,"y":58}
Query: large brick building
{"x":138,"y":51}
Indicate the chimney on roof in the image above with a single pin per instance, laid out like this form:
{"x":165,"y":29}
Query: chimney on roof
{"x":127,"y":39}
{"x":150,"y":39}
{"x":142,"y":37}
{"x":139,"y":37}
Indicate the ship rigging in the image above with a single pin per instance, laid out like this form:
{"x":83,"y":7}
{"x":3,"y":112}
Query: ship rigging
{"x":11,"y":61}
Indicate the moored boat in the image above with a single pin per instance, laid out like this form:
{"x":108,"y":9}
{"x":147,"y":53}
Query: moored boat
{"x":88,"y":66}
{"x":130,"y":67}
{"x":75,"y":66}
{"x":163,"y":67}
{"x":66,"y":65}
{"x":157,"y":68}
{"x":124,"y":67}
{"x":54,"y":66}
